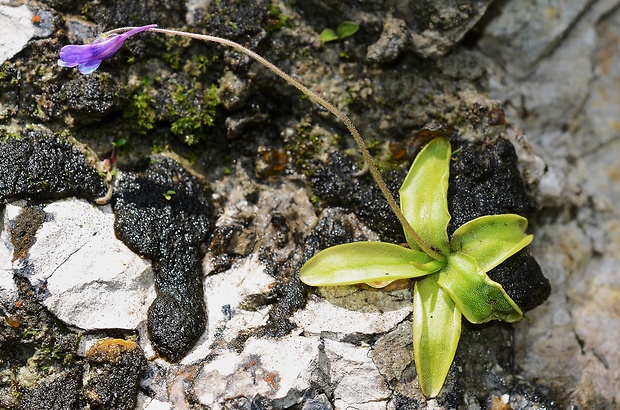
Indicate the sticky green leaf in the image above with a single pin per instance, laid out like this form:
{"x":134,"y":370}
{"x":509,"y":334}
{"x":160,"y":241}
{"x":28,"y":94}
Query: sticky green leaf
{"x":479,"y":298}
{"x":347,"y":29}
{"x":491,"y":239}
{"x":424,"y":195}
{"x":328,"y":35}
{"x":436,"y":333}
{"x":366,"y":262}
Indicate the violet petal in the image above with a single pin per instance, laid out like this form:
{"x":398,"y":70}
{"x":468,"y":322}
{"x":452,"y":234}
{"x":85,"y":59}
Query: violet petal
{"x":88,"y":56}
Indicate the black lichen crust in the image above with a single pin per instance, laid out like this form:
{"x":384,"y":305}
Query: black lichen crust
{"x":485,"y":180}
{"x":115,"y":369}
{"x":40,"y":166}
{"x":335,"y":182}
{"x":33,"y":341}
{"x":170,"y":233}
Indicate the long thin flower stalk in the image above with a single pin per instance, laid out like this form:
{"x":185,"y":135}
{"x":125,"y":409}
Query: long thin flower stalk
{"x":327,"y":105}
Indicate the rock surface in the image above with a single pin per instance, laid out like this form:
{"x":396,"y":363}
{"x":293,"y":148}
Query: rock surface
{"x":85,"y":276}
{"x":115,"y":369}
{"x":521,"y":33}
{"x":563,"y":106}
{"x":17,"y":29}
{"x":284,"y":183}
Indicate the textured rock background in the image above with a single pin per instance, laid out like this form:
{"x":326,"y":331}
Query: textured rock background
{"x":74,"y":298}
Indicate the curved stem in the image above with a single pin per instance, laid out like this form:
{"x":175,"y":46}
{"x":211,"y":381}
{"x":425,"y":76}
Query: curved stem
{"x":331,"y":108}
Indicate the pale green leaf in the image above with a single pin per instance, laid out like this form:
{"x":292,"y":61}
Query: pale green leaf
{"x":479,"y":298}
{"x":436,"y":333}
{"x":424,"y":195}
{"x":347,"y":29}
{"x":328,"y":35}
{"x":491,"y":239}
{"x":366,"y":262}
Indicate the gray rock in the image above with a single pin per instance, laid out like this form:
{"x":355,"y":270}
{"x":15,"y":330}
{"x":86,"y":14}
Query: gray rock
{"x":522,"y":32}
{"x":393,"y":41}
{"x":565,"y":106}
{"x":233,"y":91}
{"x":320,"y":402}
{"x":431,"y":28}
{"x":436,"y":27}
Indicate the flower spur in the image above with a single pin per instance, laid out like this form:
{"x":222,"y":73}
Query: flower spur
{"x":87,"y":57}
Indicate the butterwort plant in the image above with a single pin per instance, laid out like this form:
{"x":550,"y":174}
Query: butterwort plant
{"x":450,"y":286}
{"x":450,"y":273}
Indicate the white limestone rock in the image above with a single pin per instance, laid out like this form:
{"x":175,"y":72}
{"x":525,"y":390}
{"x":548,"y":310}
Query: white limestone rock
{"x":346,"y":310}
{"x":146,"y":403}
{"x":224,"y":295}
{"x":91,"y":280}
{"x":357,"y":380}
{"x":278,"y":369}
{"x":8,"y":288}
{"x":16,"y":29}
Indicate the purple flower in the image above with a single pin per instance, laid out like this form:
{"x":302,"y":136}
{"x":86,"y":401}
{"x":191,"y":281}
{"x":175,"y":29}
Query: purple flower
{"x":87,"y":57}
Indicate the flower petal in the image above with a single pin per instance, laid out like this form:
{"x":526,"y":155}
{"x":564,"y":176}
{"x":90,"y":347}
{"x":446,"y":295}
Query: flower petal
{"x":89,"y":67}
{"x":491,"y":239}
{"x":66,"y":63}
{"x":366,"y":262}
{"x":479,"y":298}
{"x":436,"y":333}
{"x":73,"y":54}
{"x":106,"y":47}
{"x":87,"y":57}
{"x":424,"y":195}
